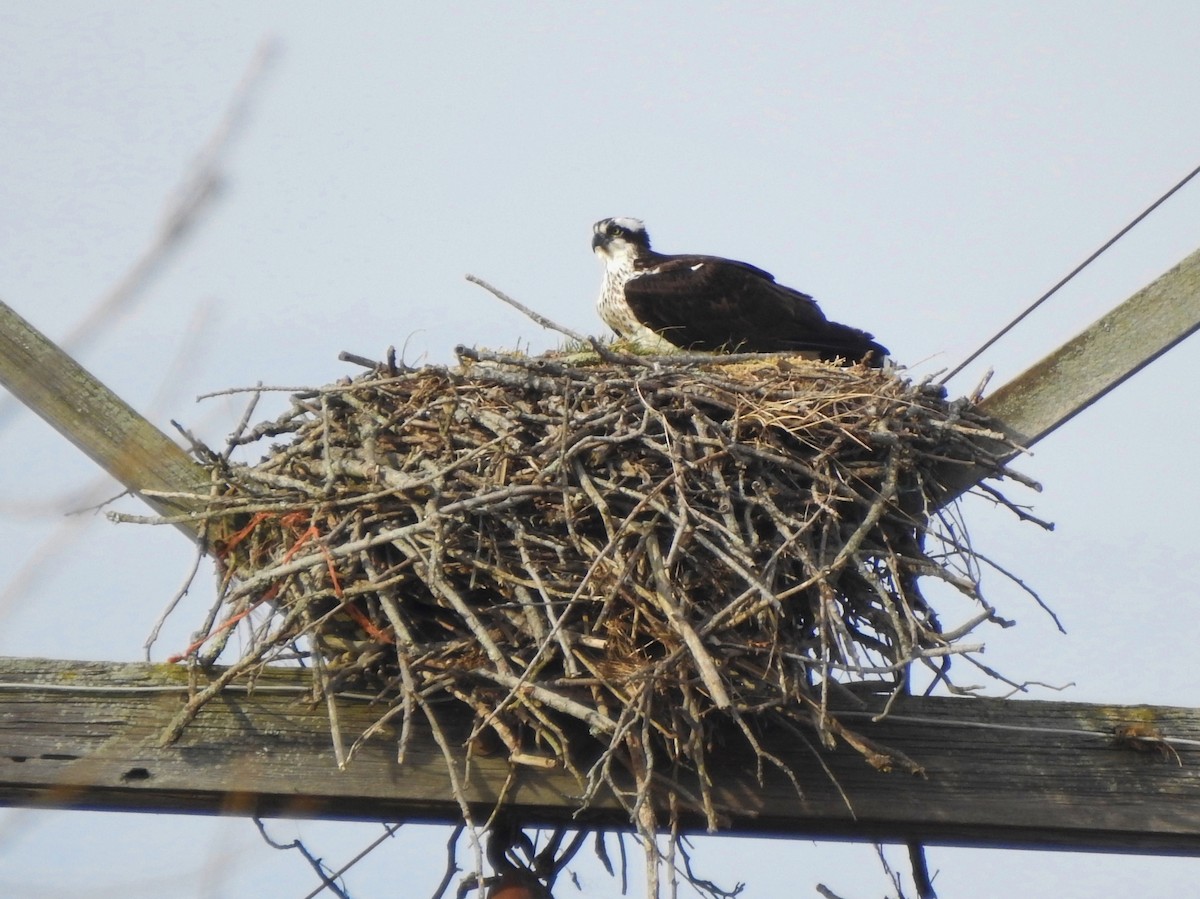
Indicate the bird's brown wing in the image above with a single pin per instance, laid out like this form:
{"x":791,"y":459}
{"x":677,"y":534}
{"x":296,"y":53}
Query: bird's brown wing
{"x":712,"y":304}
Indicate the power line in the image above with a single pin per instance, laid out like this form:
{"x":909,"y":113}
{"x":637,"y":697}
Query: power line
{"x":1075,"y":271}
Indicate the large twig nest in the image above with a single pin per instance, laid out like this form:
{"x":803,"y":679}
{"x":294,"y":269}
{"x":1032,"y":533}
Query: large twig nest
{"x":602,"y":562}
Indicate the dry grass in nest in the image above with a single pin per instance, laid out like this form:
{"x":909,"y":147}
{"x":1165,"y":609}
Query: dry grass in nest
{"x":603,"y":562}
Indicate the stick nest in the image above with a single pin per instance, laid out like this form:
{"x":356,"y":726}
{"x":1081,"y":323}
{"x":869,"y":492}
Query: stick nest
{"x":603,"y":563}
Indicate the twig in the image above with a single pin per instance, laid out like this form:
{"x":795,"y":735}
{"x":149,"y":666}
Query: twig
{"x":920,"y":871}
{"x":525,"y":310}
{"x":354,"y":359}
{"x":452,"y":867}
{"x":389,"y":831}
{"x":327,"y":882}
{"x":201,"y":549}
{"x":601,"y":350}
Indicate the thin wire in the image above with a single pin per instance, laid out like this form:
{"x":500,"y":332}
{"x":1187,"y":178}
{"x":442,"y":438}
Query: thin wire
{"x":388,"y":831}
{"x":1075,"y":271}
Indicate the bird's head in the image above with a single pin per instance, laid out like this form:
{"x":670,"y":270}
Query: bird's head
{"x":618,"y":237}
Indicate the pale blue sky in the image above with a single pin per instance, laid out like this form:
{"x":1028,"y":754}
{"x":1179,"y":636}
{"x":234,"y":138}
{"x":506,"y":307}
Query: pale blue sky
{"x":925,"y":170}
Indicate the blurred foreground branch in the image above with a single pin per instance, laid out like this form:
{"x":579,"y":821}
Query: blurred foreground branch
{"x":183,"y":211}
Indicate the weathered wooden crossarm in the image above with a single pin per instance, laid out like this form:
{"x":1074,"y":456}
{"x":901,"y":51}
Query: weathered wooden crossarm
{"x":92,"y":417}
{"x":1089,"y":365}
{"x":1050,"y":774}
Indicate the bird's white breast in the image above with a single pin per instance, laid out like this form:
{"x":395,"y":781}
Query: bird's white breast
{"x":619,"y":270}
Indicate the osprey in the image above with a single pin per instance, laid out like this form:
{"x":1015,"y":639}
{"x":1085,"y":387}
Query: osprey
{"x":668,"y":303}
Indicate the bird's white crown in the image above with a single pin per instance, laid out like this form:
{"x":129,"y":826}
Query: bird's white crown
{"x":629,"y":224}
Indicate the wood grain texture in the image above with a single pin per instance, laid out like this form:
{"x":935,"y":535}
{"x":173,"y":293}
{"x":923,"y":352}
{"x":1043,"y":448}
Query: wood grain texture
{"x":1108,"y":352}
{"x":92,"y":417}
{"x":1050,"y":774}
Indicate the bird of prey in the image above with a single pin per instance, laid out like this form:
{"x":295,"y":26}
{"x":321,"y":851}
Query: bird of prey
{"x":669,"y":303}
